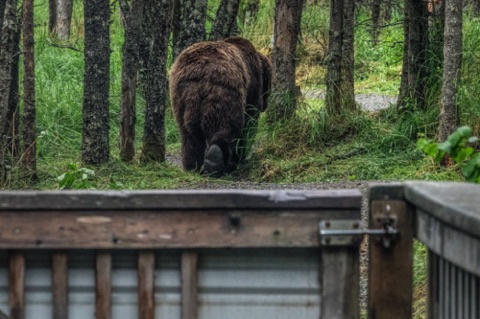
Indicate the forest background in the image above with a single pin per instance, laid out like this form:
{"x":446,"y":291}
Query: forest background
{"x":312,"y":146}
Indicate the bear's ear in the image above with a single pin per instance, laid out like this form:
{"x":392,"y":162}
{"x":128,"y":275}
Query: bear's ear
{"x":266,"y":79}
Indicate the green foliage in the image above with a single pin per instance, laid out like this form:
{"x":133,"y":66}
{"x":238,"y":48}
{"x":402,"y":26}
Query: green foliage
{"x":76,"y":178}
{"x":460,"y":146}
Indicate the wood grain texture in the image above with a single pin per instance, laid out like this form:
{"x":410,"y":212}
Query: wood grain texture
{"x":103,"y":286}
{"x":340,"y":282}
{"x":146,"y":285}
{"x":16,"y":284}
{"x":189,"y":285}
{"x":175,"y":199}
{"x":164,"y":229}
{"x":60,"y":285}
{"x":391,"y":269}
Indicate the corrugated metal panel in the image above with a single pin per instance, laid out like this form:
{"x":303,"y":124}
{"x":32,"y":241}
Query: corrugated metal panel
{"x":233,"y":284}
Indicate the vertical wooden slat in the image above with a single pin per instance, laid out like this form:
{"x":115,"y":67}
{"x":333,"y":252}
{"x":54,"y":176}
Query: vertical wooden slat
{"x":146,"y":290}
{"x":460,"y":295}
{"x":189,"y":285}
{"x":103,"y":276}
{"x":432,"y":291}
{"x":339,"y":282}
{"x":441,"y":281}
{"x":16,"y":284}
{"x":391,"y":269}
{"x":60,"y":285}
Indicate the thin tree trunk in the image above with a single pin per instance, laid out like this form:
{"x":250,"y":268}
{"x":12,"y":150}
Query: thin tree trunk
{"x":176,"y":25}
{"x":7,"y":50}
{"x":133,"y":32}
{"x":2,"y":11}
{"x":225,"y":20}
{"x":403,"y":93}
{"x":452,"y":64}
{"x":251,"y":10}
{"x":192,"y":25}
{"x":348,"y":56}
{"x":13,"y":118}
{"x":375,"y":8}
{"x":282,"y":102}
{"x":476,"y":8}
{"x":29,"y":160}
{"x":64,"y":19}
{"x":335,"y":42}
{"x":156,"y":81}
{"x":52,"y":16}
{"x":95,"y":142}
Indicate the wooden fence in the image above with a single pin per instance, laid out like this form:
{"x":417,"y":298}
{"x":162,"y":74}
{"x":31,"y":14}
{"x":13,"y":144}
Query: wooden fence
{"x":443,"y":216}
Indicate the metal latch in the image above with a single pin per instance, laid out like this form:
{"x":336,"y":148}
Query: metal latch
{"x":348,"y":232}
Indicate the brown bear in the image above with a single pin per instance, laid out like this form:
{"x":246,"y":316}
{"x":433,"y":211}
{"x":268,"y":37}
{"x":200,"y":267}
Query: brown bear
{"x":217,"y":91}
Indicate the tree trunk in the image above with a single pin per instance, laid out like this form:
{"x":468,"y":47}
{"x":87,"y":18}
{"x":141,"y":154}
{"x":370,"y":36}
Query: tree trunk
{"x":414,"y":69}
{"x":476,"y":8}
{"x":348,"y":56}
{"x":13,"y":119}
{"x":52,"y":16}
{"x":192,"y":24}
{"x":434,"y":53}
{"x":176,"y":25}
{"x":29,"y":160}
{"x":225,"y":20}
{"x":95,"y":143}
{"x":133,"y":32}
{"x":64,"y":19}
{"x":156,"y":81}
{"x":2,"y":11}
{"x":452,"y":63}
{"x":7,"y":47}
{"x":375,"y":7}
{"x":282,"y":101}
{"x":333,"y":97}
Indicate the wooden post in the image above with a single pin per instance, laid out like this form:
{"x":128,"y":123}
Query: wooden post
{"x":189,"y":285}
{"x":60,"y":285}
{"x":103,"y":277}
{"x":391,"y":270}
{"x":340,"y":282}
{"x":16,"y":284}
{"x":146,"y":285}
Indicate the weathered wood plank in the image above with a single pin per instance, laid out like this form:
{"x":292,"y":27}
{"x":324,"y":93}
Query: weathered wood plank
{"x":391,"y":270}
{"x":146,"y":288}
{"x":103,"y":286}
{"x":60,"y":285}
{"x":179,"y":199}
{"x":454,"y":204}
{"x":386,"y":191}
{"x":189,"y":285}
{"x":340,"y":283}
{"x":16,"y":285}
{"x":168,"y":229}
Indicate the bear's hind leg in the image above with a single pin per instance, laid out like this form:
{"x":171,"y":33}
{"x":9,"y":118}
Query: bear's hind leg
{"x":193,"y":151}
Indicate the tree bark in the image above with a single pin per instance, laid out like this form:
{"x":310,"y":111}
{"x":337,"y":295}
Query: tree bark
{"x":29,"y":160}
{"x":452,"y":63}
{"x":414,"y":69}
{"x":375,"y":8}
{"x":282,"y":101}
{"x":2,"y":11}
{"x":192,"y":25}
{"x":95,"y":142}
{"x":63,"y":19}
{"x":176,"y":25}
{"x":133,"y":32}
{"x":348,"y":56}
{"x":333,"y":96}
{"x":52,"y":16}
{"x":476,"y":8}
{"x":225,"y":20}
{"x":7,"y":47}
{"x":156,"y":81}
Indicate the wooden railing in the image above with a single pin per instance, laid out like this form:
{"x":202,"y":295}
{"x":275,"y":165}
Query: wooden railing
{"x":446,"y":218}
{"x":443,"y":216}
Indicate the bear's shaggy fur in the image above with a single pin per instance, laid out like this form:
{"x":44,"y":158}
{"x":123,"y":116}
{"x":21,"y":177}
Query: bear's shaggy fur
{"x":217,"y":91}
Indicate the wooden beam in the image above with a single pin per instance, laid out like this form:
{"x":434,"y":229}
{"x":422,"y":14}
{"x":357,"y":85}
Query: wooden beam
{"x":16,"y":284}
{"x":391,"y":268}
{"x":103,"y":276}
{"x":340,"y":282}
{"x":164,"y":229}
{"x":146,"y":285}
{"x":60,"y":285}
{"x":189,"y":285}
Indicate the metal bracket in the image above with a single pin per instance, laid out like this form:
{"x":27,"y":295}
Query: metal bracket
{"x":347,"y":232}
